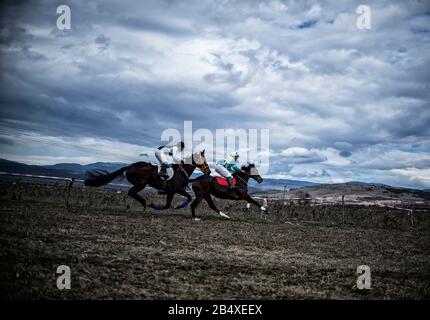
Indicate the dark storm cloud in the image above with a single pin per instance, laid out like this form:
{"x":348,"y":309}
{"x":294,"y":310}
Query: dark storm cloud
{"x":153,"y":25}
{"x":307,"y":24}
{"x":128,"y":70}
{"x":6,"y":141}
{"x":345,"y":154}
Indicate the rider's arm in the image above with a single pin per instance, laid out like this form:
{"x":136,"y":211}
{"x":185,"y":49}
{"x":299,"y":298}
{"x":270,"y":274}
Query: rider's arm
{"x":234,"y":167}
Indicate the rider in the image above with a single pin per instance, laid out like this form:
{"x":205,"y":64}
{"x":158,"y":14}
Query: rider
{"x":162,"y":154}
{"x":228,"y":166}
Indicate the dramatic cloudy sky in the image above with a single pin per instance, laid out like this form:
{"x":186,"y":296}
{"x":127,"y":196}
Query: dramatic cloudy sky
{"x":340,"y":103}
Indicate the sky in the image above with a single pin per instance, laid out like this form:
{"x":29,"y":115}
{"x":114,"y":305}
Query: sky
{"x":341,"y":103}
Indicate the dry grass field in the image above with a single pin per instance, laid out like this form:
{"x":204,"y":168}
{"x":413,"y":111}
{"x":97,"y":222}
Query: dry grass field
{"x":115,"y":250}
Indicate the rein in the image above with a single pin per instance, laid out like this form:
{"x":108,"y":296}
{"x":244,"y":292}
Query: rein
{"x":183,"y":171}
{"x":201,"y":167}
{"x":237,"y":176}
{"x":194,"y":164}
{"x":249,"y":176}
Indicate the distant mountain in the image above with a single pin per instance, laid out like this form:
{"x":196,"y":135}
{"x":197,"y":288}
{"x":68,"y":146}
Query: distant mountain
{"x":278,"y":184}
{"x":74,"y":170}
{"x":17,"y":167}
{"x":64,"y":170}
{"x":78,"y":171}
{"x":357,"y":192}
{"x":81,"y":169}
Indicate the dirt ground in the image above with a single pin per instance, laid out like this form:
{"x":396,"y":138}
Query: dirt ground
{"x":117,"y":251}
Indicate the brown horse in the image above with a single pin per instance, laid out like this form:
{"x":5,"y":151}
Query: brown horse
{"x":205,"y":186}
{"x":141,"y":174}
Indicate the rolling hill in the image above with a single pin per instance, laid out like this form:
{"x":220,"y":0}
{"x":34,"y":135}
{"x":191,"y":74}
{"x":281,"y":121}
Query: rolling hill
{"x":273,"y":187}
{"x":75,"y":170}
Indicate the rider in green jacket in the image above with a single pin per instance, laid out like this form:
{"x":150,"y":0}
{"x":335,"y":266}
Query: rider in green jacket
{"x":227,"y":167}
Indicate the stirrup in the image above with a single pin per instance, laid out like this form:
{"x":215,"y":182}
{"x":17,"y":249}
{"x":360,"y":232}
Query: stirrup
{"x":163,"y":172}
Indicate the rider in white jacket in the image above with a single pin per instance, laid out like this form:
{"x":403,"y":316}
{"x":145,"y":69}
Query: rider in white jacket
{"x":164,"y":154}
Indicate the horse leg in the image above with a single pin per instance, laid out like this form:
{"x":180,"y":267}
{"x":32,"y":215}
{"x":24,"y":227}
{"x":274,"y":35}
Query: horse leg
{"x":184,"y":203}
{"x":166,"y":206}
{"x":169,"y":200}
{"x":194,"y":205}
{"x":209,"y":200}
{"x":248,"y":198}
{"x":133,"y":192}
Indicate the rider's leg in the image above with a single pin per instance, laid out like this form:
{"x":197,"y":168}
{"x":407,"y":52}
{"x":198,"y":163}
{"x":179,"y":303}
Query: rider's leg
{"x":230,"y":183}
{"x":224,"y":173}
{"x":162,"y":159}
{"x":158,"y":155}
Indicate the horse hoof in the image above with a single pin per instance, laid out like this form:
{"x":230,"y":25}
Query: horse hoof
{"x":183,"y":205}
{"x":157,"y":206}
{"x":222,"y":214}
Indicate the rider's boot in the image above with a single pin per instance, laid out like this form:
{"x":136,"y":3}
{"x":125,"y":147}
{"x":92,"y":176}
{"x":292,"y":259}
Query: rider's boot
{"x":230,"y":184}
{"x":163,"y":171}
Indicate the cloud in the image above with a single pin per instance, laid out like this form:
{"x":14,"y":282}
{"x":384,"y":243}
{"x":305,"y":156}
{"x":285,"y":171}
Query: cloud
{"x":301,"y":155}
{"x":395,"y":159}
{"x":348,"y":102}
{"x":307,"y":24}
{"x":345,"y":154}
{"x":420,"y":177}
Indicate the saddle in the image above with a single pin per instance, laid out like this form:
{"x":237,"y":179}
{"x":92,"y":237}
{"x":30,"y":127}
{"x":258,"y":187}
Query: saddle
{"x":171,"y":171}
{"x":223,"y":181}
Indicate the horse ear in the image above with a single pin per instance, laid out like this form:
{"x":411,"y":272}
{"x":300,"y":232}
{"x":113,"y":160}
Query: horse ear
{"x":203,"y":152}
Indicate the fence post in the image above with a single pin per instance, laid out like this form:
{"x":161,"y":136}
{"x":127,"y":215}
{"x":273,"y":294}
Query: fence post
{"x":69,"y":188}
{"x":343,"y":209}
{"x":285,"y":190}
{"x":411,"y":214}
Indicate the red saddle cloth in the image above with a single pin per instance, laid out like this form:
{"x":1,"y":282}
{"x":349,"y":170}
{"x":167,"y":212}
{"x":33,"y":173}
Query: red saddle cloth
{"x":223,"y":181}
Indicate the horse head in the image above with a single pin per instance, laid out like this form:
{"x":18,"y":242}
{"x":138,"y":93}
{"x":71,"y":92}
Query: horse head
{"x":252,"y":171}
{"x":199,"y":160}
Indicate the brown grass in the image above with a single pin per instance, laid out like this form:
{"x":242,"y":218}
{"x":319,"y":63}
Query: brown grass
{"x":115,"y":250}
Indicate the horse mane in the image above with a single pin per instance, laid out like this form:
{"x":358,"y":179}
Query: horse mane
{"x":247,"y":166}
{"x":191,"y":156}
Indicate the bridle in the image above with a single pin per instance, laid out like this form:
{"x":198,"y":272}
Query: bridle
{"x":249,"y":176}
{"x":202,"y":167}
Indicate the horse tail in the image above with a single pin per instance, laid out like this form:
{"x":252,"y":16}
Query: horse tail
{"x":98,"y":178}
